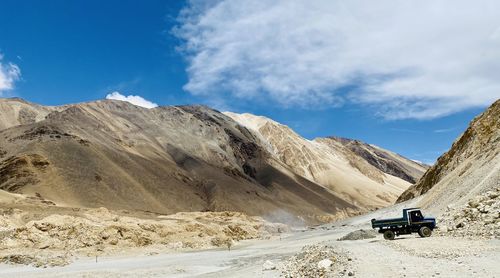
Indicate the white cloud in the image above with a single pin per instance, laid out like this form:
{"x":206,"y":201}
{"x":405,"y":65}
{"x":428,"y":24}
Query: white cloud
{"x":409,"y":59}
{"x":135,"y":100}
{"x":9,"y":73}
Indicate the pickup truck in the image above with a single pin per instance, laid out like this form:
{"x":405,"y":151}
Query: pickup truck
{"x":413,"y":221}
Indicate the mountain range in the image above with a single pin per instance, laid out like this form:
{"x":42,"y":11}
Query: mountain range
{"x":190,"y":158}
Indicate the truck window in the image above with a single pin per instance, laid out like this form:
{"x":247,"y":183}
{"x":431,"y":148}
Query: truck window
{"x":416,"y":216}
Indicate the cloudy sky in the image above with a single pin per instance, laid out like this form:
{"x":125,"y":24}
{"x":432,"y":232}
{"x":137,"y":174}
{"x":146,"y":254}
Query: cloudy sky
{"x":405,"y":75}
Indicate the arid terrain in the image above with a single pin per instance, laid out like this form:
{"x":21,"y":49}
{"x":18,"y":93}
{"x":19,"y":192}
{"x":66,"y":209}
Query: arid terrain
{"x":173,"y":159}
{"x":297,"y":254}
{"x":144,"y":196}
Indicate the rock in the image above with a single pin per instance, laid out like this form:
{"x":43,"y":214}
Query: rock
{"x":460,"y":224}
{"x":350,"y":273}
{"x":484,"y":209}
{"x":492,"y":194}
{"x":474,"y":203}
{"x":324,"y":264}
{"x":268,"y":265}
{"x":490,"y":202}
{"x":44,"y":245}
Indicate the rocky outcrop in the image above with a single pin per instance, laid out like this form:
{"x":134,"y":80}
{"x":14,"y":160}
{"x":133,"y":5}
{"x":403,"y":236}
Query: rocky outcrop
{"x":480,"y":217}
{"x":17,"y":172}
{"x":386,"y":161}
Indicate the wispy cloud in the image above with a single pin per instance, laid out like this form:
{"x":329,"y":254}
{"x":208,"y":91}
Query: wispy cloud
{"x":135,"y":100}
{"x":445,"y":130}
{"x":9,"y":73}
{"x":408,"y":59}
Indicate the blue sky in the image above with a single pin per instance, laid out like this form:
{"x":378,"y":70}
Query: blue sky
{"x":277,"y":60}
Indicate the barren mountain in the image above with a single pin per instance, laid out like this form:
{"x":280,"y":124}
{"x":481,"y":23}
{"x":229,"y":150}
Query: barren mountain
{"x":469,"y":168}
{"x":187,"y":158}
{"x":167,"y":159}
{"x":365,"y":175}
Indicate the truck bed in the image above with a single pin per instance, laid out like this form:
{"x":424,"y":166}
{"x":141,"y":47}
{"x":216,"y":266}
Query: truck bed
{"x":388,"y":222}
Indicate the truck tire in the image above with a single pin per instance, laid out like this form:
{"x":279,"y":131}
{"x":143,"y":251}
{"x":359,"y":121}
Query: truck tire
{"x":425,"y":232}
{"x":389,"y":235}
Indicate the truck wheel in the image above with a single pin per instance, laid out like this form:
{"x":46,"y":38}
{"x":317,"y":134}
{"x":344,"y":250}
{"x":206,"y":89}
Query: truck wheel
{"x":389,"y":235}
{"x":425,"y":232}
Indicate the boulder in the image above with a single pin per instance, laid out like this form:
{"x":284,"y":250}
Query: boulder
{"x":325,"y":264}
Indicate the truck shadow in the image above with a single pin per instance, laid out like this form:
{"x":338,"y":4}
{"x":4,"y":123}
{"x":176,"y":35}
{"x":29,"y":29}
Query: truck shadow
{"x":398,"y":238}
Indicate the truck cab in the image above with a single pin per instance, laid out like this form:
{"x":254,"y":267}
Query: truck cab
{"x":413,"y":221}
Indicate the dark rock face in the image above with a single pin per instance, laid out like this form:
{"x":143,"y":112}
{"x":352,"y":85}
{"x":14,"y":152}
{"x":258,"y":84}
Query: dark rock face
{"x":382,"y":162}
{"x":18,"y":171}
{"x":244,"y":152}
{"x":377,"y":158}
{"x":40,"y":131}
{"x":200,"y":112}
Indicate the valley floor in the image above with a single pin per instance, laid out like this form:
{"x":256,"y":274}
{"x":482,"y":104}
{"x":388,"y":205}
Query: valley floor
{"x":407,"y":256}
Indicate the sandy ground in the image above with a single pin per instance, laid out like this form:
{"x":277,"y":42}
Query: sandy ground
{"x":407,"y":256}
